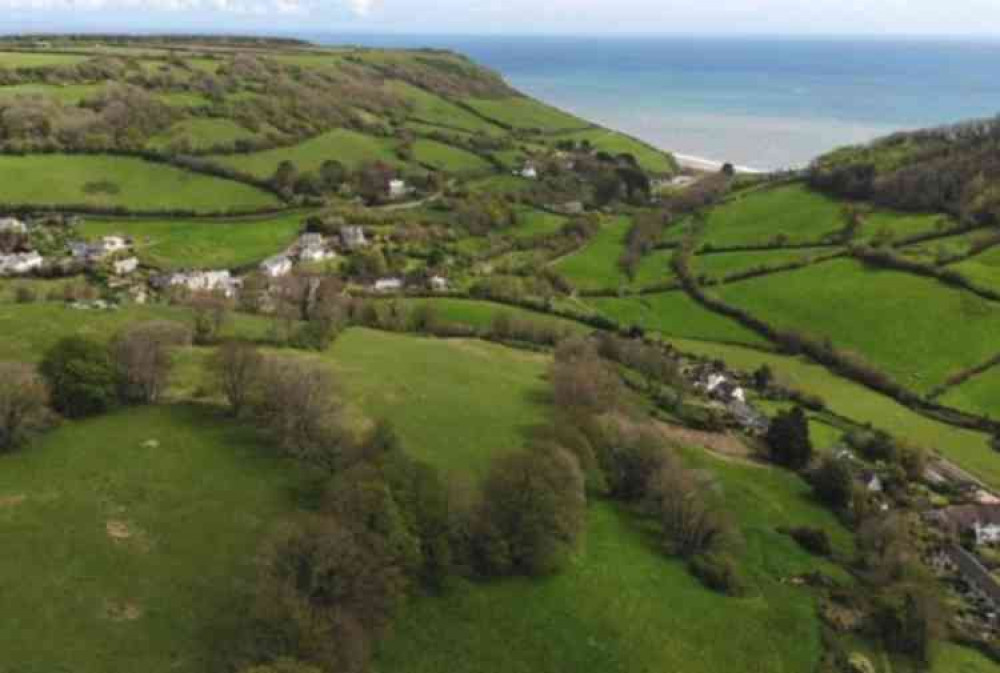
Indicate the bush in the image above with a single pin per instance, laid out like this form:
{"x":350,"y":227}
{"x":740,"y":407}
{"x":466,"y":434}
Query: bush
{"x":80,"y":376}
{"x":788,"y":439}
{"x":143,"y":357}
{"x":833,"y":482}
{"x":813,"y":540}
{"x":24,"y":295}
{"x":719,"y":572}
{"x":23,"y":404}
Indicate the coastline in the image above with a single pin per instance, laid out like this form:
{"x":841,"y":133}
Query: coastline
{"x":702,"y":164}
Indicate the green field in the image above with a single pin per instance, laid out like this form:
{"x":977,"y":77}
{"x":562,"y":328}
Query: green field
{"x":184,"y":99}
{"x":612,"y":142}
{"x":202,"y":133}
{"x":983,"y":269}
{"x":480,"y":314}
{"x":442,"y":157}
{"x":595,"y":266}
{"x":675,"y":314}
{"x":622,"y":606}
{"x":721,"y":264}
{"x":201,"y":243}
{"x":892,"y":319}
{"x":13,"y":59}
{"x":70,"y":94}
{"x":978,"y":395}
{"x":968,"y":449}
{"x":348,"y":147}
{"x":501,"y":184}
{"x":121,"y":182}
{"x":654,"y":269}
{"x":526,"y":113}
{"x":130,"y":558}
{"x":534,"y":223}
{"x":455,"y":403}
{"x":430,"y":108}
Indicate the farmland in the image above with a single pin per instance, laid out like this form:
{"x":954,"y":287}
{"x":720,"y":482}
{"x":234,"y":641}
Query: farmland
{"x":526,"y":113}
{"x":595,"y":267}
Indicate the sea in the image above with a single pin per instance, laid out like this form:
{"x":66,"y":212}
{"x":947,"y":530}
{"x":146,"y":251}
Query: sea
{"x":761,"y":103}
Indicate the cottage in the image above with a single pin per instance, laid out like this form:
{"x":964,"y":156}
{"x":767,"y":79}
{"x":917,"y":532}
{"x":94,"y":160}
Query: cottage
{"x":276,"y":267}
{"x":94,"y":252}
{"x":201,"y":281}
{"x":398,"y":189}
{"x":353,"y":238}
{"x":13,"y":226}
{"x":870,"y":481}
{"x":110,"y":244}
{"x":529,"y":172}
{"x":439,"y":283}
{"x":123,"y":267}
{"x":313,"y":248}
{"x":388,"y":285}
{"x":981,"y":521}
{"x":20,"y":263}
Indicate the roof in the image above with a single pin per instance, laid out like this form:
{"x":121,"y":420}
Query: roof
{"x":967,"y":516}
{"x":974,"y":572}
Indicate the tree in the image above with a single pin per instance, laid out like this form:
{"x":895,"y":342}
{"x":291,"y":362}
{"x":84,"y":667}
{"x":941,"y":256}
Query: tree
{"x":23,"y":403}
{"x":788,"y":439}
{"x":691,"y":521}
{"x":582,"y":381}
{"x":763,"y":377}
{"x":237,"y":368}
{"x":332,"y":175}
{"x":532,"y":513}
{"x":283,"y":665}
{"x":142,"y":358}
{"x":80,"y":376}
{"x":909,"y":617}
{"x":833,"y":482}
{"x":211,"y":312}
{"x":284,"y":176}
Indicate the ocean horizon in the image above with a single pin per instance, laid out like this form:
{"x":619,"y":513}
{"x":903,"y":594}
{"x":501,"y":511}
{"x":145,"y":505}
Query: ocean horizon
{"x":762,"y":103}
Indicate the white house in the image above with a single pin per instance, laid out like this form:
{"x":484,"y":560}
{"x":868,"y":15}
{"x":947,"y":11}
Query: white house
{"x":93,"y":252}
{"x":353,"y":238}
{"x":439,"y":283}
{"x":277,"y":266}
{"x":20,"y":263}
{"x":313,"y":248}
{"x":983,"y":521}
{"x":388,"y":285}
{"x":398,"y":189}
{"x":202,"y":281}
{"x":123,"y":267}
{"x":530,"y":172}
{"x":871,"y":481}
{"x":13,"y":225}
{"x":110,"y":244}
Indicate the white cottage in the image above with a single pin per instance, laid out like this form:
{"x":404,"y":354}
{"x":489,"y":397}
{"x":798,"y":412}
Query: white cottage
{"x":123,"y":267}
{"x":388,"y":285}
{"x":398,"y":189}
{"x":13,"y":225}
{"x":277,"y":266}
{"x":20,"y":263}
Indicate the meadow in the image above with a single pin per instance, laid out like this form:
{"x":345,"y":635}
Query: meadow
{"x":201,"y":134}
{"x":134,"y":557}
{"x":892,"y":319}
{"x":201,"y":243}
{"x":15,"y":59}
{"x":480,"y":314}
{"x":675,"y":314}
{"x":442,"y":157}
{"x":455,"y":403}
{"x":721,"y":264}
{"x":978,"y":395}
{"x":348,"y":147}
{"x":526,"y":113}
{"x":595,"y":266}
{"x":983,"y":269}
{"x":121,"y":182}
{"x":435,"y":110}
{"x":533,"y":223}
{"x":69,"y":94}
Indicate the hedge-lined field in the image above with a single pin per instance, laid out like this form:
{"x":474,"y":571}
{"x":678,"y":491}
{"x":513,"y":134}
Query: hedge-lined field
{"x":202,"y":133}
{"x":430,"y":108}
{"x":526,"y":113}
{"x":595,"y":266}
{"x":201,"y":243}
{"x":978,"y":395}
{"x":444,"y":157}
{"x":70,"y":94}
{"x":722,"y":264}
{"x":14,"y":59}
{"x":121,"y":182}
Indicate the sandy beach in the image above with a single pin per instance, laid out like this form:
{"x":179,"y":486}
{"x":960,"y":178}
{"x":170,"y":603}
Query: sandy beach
{"x":707,"y":165}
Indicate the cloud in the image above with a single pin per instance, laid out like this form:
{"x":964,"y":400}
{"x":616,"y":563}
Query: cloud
{"x":361,"y":8}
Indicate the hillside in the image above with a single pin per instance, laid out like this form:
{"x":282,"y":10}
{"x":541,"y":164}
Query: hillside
{"x":362,"y":358}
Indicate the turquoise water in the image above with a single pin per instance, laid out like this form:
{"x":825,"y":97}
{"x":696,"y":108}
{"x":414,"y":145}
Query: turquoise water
{"x":764,"y":103}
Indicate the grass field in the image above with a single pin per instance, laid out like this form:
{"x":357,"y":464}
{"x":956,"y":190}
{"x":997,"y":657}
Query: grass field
{"x":595,"y":266}
{"x":654,"y":269}
{"x":983,"y":269}
{"x":622,"y":606}
{"x":532,"y":223}
{"x":29,"y":329}
{"x":722,"y":264}
{"x":201,"y":243}
{"x":480,"y":314}
{"x":444,"y":157}
{"x":979,"y":395}
{"x":966,"y":448}
{"x":613,"y":142}
{"x":13,"y":59}
{"x":120,"y":182}
{"x":436,"y":110}
{"x":455,"y":403}
{"x":675,"y":314}
{"x":526,"y":113}
{"x":202,"y":133}
{"x":70,"y":94}
{"x":951,"y":658}
{"x":131,"y":558}
{"x":893,"y":319}
{"x":501,"y":184}
{"x":348,"y":147}
{"x":184,"y":99}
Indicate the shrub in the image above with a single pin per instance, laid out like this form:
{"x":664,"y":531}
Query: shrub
{"x":23,"y":404}
{"x":719,"y":572}
{"x":80,"y":376}
{"x":25,"y":295}
{"x":813,"y":540}
{"x":833,"y":482}
{"x":143,"y":357}
{"x":788,"y":439}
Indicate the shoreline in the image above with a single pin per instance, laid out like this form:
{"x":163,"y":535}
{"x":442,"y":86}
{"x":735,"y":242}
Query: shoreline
{"x":692,"y":162}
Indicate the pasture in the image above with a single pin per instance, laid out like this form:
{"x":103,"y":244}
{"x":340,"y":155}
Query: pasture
{"x":983,"y":269}
{"x":722,"y":264}
{"x":178,"y":243}
{"x":595,"y":265}
{"x":978,"y":395}
{"x":439,"y":112}
{"x":526,"y":113}
{"x":202,"y":133}
{"x":68,"y":94}
{"x":442,"y":157}
{"x":37,"y":59}
{"x":132,"y":556}
{"x":890,"y":318}
{"x":121,"y":182}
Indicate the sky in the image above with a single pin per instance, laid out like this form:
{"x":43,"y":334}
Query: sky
{"x":579,"y":17}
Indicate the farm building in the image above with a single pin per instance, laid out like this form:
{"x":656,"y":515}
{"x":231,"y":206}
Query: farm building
{"x":398,"y":189}
{"x":201,"y":281}
{"x":13,"y":225}
{"x":20,"y":263}
{"x":353,"y":238}
{"x":313,"y":248}
{"x":388,"y":285}
{"x":981,"y":521}
{"x":277,"y":266}
{"x":123,"y":267}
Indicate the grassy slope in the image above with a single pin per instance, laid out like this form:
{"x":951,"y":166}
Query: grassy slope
{"x":595,"y":266}
{"x":532,"y":223}
{"x":622,"y":606}
{"x":613,"y":142}
{"x":348,"y":147}
{"x":719,"y":265}
{"x":966,"y":448}
{"x":455,"y":403}
{"x":70,"y":94}
{"x":984,"y":268}
{"x":13,"y":59}
{"x":526,"y":113}
{"x":144,"y":186}
{"x":195,"y":507}
{"x":202,"y":133}
{"x":436,"y":110}
{"x":893,"y":319}
{"x":675,"y":314}
{"x":979,"y":395}
{"x":447,"y":158}
{"x":480,"y":314}
{"x":186,"y":243}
